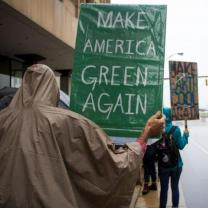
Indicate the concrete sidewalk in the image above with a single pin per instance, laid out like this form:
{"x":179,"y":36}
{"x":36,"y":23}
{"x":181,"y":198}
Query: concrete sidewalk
{"x":151,"y":199}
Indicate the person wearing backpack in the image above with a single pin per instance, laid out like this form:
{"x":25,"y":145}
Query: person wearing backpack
{"x":169,"y":159}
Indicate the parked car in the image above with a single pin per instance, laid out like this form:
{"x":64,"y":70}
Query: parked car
{"x":7,"y":93}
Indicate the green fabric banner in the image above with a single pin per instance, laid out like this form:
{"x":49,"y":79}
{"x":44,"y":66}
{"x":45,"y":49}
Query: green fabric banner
{"x":117,"y":79}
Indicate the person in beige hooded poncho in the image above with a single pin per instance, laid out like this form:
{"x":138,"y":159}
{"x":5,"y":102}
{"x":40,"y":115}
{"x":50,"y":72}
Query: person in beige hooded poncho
{"x":55,"y":158}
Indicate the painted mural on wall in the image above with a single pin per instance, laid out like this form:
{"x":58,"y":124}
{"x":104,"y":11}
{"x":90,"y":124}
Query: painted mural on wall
{"x":184,"y":90}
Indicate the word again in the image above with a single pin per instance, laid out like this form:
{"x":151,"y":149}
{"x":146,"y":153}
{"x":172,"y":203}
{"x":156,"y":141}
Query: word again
{"x":103,"y":103}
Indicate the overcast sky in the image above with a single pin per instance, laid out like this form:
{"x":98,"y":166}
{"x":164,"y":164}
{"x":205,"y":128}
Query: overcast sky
{"x":187,"y":32}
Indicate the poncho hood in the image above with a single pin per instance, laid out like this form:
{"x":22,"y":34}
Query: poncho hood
{"x":39,"y":86}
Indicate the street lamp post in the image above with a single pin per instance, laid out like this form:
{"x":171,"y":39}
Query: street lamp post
{"x":173,"y":54}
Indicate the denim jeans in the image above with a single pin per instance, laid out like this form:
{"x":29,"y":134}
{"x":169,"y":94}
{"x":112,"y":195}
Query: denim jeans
{"x":165,"y":175}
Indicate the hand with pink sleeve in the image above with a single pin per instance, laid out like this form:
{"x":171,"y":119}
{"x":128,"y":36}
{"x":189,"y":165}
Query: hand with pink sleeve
{"x":154,"y":127}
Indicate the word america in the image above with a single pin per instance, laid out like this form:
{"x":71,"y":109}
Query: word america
{"x":142,"y":47}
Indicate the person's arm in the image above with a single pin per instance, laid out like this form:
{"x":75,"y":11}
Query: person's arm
{"x":153,"y":128}
{"x":181,"y":140}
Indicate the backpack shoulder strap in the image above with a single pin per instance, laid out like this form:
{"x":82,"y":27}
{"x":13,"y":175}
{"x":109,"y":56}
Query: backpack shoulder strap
{"x":172,"y":130}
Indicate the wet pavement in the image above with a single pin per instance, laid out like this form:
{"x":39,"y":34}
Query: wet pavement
{"x":151,"y":199}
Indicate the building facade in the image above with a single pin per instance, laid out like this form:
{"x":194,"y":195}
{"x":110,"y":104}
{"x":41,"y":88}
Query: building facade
{"x":34,"y":31}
